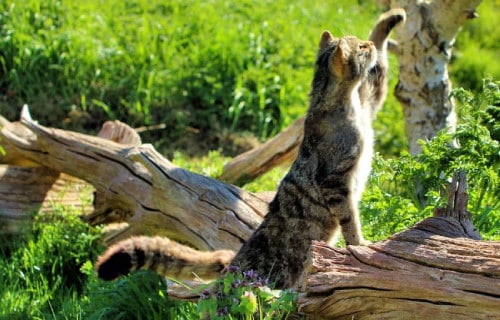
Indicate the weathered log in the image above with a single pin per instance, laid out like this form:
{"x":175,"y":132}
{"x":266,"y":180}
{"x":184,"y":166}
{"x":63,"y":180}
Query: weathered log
{"x":412,"y":275}
{"x":119,"y":132}
{"x":281,"y":149}
{"x":435,"y":270}
{"x":26,"y":187}
{"x":142,"y":188}
{"x":25,"y":191}
{"x":420,"y":272}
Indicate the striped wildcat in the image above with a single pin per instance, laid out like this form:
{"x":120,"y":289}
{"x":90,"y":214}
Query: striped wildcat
{"x":319,"y":195}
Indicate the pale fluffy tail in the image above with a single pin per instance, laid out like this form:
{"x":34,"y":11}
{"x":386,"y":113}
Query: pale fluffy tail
{"x":162,"y":255}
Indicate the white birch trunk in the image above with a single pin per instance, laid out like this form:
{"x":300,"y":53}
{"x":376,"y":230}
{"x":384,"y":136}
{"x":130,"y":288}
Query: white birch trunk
{"x":424,"y":50}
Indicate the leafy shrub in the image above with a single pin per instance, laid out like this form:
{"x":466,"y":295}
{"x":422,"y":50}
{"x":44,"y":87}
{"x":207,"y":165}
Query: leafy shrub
{"x":392,"y":203}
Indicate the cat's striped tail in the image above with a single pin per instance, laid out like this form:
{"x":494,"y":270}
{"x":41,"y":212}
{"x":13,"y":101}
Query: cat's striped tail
{"x":162,"y":255}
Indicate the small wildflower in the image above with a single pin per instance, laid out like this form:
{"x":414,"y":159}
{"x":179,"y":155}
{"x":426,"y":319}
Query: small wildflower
{"x":237,"y":283}
{"x":205,"y":294}
{"x":251,"y":274}
{"x":219,"y":294}
{"x":264,"y":282}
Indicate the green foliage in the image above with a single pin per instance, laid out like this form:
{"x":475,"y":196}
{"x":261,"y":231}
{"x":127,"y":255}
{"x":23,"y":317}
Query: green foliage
{"x":245,"y":295}
{"x":477,"y":45}
{"x":206,"y":65}
{"x":210,"y":165}
{"x":391,"y":202}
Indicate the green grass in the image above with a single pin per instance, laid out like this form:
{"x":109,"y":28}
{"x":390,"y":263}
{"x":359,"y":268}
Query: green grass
{"x":40,"y":271}
{"x":198,"y":66}
{"x":242,"y":66}
{"x":215,"y":72}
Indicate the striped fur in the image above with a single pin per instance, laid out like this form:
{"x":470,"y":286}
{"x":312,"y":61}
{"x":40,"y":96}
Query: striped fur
{"x":162,"y":255}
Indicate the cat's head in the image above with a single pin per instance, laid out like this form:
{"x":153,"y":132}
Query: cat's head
{"x":344,"y":60}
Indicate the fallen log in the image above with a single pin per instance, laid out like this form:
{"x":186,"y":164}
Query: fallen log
{"x":26,"y":191}
{"x":281,"y":149}
{"x":27,"y":188}
{"x":138,"y":186}
{"x":438,"y":269}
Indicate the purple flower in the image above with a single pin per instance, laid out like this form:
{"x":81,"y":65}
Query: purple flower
{"x":237,"y":283}
{"x":251,"y":274}
{"x":219,"y":294}
{"x":264,"y":282}
{"x":205,"y":294}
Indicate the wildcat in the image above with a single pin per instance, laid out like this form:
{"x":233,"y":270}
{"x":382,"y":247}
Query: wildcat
{"x":319,"y":195}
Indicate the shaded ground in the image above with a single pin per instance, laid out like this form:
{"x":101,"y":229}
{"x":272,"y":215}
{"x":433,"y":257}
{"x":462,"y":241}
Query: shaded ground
{"x":189,"y":140}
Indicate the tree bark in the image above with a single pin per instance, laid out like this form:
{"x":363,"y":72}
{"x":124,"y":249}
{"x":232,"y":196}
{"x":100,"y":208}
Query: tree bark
{"x":424,"y":48}
{"x":412,"y":275}
{"x":25,"y":191}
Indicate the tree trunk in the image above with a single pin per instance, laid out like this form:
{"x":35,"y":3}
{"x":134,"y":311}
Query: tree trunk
{"x":424,"y":48}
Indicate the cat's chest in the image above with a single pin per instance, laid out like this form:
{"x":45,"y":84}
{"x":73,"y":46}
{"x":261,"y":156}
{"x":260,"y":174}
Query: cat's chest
{"x":343,"y":121}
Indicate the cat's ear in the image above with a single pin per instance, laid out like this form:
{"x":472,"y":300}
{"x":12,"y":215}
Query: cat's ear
{"x":339,"y":58}
{"x":326,"y":40}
